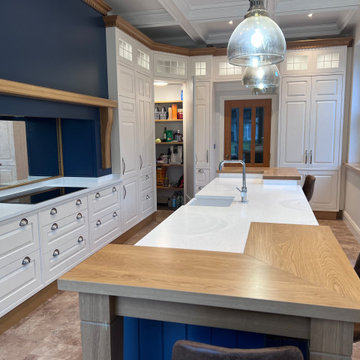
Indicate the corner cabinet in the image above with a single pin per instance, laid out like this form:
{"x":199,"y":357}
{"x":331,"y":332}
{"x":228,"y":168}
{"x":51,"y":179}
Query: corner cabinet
{"x":311,"y":119}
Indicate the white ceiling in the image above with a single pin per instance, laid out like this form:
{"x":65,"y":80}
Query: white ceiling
{"x":206,"y":22}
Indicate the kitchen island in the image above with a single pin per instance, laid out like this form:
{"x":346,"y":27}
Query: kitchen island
{"x":263,"y":267}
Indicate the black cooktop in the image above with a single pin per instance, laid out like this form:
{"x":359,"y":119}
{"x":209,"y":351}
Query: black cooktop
{"x":39,"y":195}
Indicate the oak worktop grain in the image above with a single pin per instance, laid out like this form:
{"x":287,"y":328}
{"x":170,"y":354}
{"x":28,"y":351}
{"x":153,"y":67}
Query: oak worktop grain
{"x":268,"y":173}
{"x":283,"y":282}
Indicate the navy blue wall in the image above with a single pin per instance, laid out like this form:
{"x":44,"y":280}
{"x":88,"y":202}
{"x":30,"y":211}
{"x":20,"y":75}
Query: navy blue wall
{"x":59,"y":44}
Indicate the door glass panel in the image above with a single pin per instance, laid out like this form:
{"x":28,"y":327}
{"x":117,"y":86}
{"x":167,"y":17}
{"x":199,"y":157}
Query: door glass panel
{"x":235,"y":113}
{"x":259,"y":136}
{"x":247,"y":135}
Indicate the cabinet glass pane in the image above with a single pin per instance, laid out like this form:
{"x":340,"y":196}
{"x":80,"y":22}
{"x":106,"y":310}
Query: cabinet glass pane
{"x":259,"y":136}
{"x":235,"y":113}
{"x":247,"y":135}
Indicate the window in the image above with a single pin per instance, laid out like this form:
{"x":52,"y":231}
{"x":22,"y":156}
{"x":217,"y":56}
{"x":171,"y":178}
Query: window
{"x":247,"y":131}
{"x":171,"y":67}
{"x":200,"y":68}
{"x":125,"y":50}
{"x":297,"y":62}
{"x":227,"y":69}
{"x":143,"y":60}
{"x":328,"y":61}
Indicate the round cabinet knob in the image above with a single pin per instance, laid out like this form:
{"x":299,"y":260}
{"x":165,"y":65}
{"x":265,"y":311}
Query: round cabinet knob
{"x":56,"y":253}
{"x":200,"y":187}
{"x":80,"y":239}
{"x":78,"y":202}
{"x":79,"y":216}
{"x":54,"y":226}
{"x":147,"y":177}
{"x":115,"y":214}
{"x":98,"y":223}
{"x":23,"y":222}
{"x":114,"y":189}
{"x":97,"y":195}
{"x":26,"y":261}
{"x":147,"y":197}
{"x":201,"y":171}
{"x":53,"y":211}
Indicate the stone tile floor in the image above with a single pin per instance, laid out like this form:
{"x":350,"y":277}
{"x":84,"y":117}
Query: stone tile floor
{"x":52,"y":331}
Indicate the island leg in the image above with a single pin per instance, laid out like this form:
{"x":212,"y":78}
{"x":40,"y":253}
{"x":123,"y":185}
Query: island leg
{"x":330,"y":340}
{"x":101,"y":330}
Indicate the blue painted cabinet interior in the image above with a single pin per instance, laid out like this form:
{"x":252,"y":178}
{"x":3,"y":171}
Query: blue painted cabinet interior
{"x":153,"y":340}
{"x":59,"y":44}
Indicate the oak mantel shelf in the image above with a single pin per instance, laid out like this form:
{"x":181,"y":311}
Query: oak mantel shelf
{"x":106,"y":106}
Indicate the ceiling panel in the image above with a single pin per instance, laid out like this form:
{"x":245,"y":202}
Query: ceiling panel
{"x":129,"y":6}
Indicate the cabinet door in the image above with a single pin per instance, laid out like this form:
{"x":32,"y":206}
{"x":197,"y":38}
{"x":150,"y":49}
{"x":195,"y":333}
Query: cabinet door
{"x":202,"y":124}
{"x":295,"y":122}
{"x":145,"y":122}
{"x":130,"y":203}
{"x":326,"y":191}
{"x":297,"y":62}
{"x":126,"y":81}
{"x":326,"y":122}
{"x":128,"y":137}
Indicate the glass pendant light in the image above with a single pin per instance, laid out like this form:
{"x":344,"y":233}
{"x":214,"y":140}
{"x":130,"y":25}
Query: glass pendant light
{"x":262,"y":77}
{"x":257,"y":40}
{"x":265,"y":91}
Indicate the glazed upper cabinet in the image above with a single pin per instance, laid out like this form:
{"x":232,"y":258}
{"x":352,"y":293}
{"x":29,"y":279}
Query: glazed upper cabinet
{"x":170,"y":66}
{"x":311,"y":122}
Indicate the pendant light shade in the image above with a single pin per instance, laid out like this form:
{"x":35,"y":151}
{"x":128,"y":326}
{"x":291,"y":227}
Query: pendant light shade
{"x":265,"y":91}
{"x":257,"y":40}
{"x":262,"y":77}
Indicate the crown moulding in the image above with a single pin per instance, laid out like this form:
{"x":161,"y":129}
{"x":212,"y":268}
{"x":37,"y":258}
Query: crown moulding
{"x":99,"y":5}
{"x":120,"y":23}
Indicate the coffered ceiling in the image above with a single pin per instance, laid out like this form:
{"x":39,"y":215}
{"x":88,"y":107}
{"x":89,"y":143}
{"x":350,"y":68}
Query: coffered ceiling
{"x":206,"y":22}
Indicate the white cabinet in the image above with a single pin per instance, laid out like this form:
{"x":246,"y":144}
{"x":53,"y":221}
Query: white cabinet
{"x":170,"y":66}
{"x":201,"y":67}
{"x":202,"y":124}
{"x":130,"y":203}
{"x":126,"y":81}
{"x":224,"y":71}
{"x":311,"y":122}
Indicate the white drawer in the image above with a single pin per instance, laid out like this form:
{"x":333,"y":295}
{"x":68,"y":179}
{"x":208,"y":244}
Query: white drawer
{"x":18,"y":238}
{"x":19,"y":280}
{"x":62,"y":227}
{"x":56,"y":212}
{"x":147,"y":203}
{"x":147,"y":181}
{"x":103,"y":201}
{"x":105,"y":229}
{"x":49,"y":243}
{"x":202,"y":176}
{"x":63,"y":257}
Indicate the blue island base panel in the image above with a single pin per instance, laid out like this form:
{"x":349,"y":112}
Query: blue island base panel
{"x":154,"y":340}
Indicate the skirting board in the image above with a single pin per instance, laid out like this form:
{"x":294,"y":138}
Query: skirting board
{"x":354,"y":228}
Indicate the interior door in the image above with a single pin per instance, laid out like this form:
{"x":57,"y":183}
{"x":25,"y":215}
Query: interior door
{"x":189,"y":131}
{"x":247,"y":131}
{"x":326,"y":116}
{"x":295,"y":122}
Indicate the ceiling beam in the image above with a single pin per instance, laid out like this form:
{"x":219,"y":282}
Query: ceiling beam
{"x":177,"y":9}
{"x":303,"y":6}
{"x":149,"y":19}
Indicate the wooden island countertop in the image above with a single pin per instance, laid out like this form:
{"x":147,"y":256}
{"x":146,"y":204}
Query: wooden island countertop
{"x":292,"y":280}
{"x":268,"y":173}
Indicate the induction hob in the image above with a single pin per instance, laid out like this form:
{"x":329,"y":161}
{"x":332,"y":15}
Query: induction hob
{"x":39,"y":195}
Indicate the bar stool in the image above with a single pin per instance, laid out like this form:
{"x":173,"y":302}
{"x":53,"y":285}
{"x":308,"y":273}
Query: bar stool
{"x":308,"y":187}
{"x":189,"y":350}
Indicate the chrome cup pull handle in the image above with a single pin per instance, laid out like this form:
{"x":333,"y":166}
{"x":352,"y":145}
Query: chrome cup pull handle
{"x":114,"y":189}
{"x":78,"y":202}
{"x":79,"y":216}
{"x":147,"y":197}
{"x":80,"y":239}
{"x":147,"y":177}
{"x":26,"y":261}
{"x":53,"y":211}
{"x":98,"y":223}
{"x":24,"y":222}
{"x":54,"y":226}
{"x":97,"y":195}
{"x":56,"y":253}
{"x":115,"y":214}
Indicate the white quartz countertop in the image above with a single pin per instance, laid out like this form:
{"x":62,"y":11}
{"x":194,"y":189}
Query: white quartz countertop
{"x":225,"y":228}
{"x":8,"y":210}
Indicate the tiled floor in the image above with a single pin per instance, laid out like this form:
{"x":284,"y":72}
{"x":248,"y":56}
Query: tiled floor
{"x":52,"y":332}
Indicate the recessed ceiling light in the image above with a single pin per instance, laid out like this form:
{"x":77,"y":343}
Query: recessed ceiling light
{"x":160,"y":83}
{"x":310,"y":15}
{"x":231,"y":22}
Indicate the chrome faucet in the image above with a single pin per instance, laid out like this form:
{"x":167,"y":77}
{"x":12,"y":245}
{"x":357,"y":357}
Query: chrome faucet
{"x":243,"y":190}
